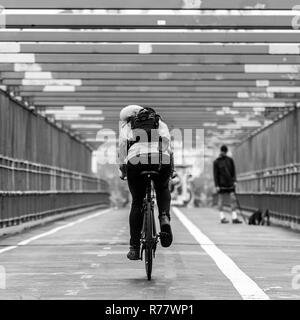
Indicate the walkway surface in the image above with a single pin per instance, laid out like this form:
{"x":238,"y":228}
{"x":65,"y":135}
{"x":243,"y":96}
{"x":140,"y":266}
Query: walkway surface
{"x":84,"y":257}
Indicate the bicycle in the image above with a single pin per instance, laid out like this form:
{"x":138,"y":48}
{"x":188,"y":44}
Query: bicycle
{"x":149,"y":236}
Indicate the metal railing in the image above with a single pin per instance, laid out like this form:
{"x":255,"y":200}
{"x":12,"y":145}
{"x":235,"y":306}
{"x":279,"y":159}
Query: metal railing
{"x":278,"y":180}
{"x":21,"y":175}
{"x":30,"y":191}
{"x":20,"y":207}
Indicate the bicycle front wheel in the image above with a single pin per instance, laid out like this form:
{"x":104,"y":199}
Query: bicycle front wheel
{"x":149,"y":240}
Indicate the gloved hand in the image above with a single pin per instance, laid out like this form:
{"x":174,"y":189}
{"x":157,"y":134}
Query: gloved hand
{"x":123,"y":171}
{"x":174,"y":174}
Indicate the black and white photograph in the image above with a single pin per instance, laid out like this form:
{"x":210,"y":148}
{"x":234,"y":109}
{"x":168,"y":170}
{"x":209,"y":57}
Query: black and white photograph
{"x":150,"y":153}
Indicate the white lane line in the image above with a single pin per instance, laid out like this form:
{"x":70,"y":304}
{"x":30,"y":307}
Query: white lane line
{"x":245,"y":286}
{"x":25,"y":242}
{"x":8,"y":249}
{"x":68,"y":225}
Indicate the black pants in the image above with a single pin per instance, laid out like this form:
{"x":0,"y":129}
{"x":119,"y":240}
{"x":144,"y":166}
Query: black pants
{"x":137,"y":186}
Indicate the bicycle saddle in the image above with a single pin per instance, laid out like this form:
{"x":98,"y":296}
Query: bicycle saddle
{"x":152,"y":173}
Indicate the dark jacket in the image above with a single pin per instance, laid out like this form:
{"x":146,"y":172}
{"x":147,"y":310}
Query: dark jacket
{"x":224,"y":172}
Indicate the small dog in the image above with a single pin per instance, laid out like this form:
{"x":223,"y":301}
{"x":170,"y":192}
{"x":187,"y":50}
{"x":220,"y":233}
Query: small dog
{"x":259,"y":218}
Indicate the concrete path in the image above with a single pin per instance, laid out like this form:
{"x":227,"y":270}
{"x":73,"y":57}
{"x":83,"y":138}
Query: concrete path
{"x":84,"y":257}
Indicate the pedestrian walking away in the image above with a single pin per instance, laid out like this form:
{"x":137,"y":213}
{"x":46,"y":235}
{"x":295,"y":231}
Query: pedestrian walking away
{"x":225,"y":183}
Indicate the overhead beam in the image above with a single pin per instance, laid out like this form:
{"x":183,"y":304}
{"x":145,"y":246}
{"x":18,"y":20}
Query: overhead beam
{"x":111,"y":114}
{"x":99,"y":103}
{"x":207,"y":73}
{"x":153,"y":48}
{"x":203,"y":20}
{"x":173,"y":76}
{"x":151,"y":58}
{"x":112,"y":110}
{"x":141,"y":95}
{"x":146,"y":4}
{"x":259,"y":105}
{"x":145,"y":89}
{"x":163,"y":71}
{"x":209,"y":36}
{"x":217,"y":97}
{"x":177,"y":123}
{"x":154,"y":99}
{"x":167,"y":83}
{"x":203,"y":117}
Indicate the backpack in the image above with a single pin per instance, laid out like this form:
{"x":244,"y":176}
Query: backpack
{"x":146,"y":119}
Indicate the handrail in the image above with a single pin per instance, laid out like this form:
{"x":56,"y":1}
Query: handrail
{"x":278,"y":180}
{"x":22,"y":174}
{"x":39,"y":165}
{"x":266,"y":170}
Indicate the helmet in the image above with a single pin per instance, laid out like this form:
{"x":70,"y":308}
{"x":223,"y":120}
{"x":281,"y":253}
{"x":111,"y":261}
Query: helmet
{"x":129,"y":111}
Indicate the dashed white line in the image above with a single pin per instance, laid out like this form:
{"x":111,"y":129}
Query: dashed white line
{"x":85,"y":286}
{"x":95,"y":265}
{"x":102,"y":254}
{"x":87,"y":276}
{"x":71,"y":292}
{"x":245,"y":286}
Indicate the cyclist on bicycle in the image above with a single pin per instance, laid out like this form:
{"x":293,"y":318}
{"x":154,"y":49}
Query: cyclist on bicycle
{"x":138,"y":152}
